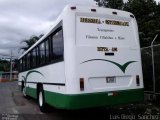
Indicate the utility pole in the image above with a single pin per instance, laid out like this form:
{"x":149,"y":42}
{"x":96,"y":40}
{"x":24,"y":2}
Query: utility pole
{"x":153,"y":67}
{"x":11,"y":66}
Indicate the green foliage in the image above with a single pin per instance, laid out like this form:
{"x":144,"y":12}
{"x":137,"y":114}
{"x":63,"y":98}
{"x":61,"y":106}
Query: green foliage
{"x":4,"y":65}
{"x":147,"y":14}
{"x":116,"y":4}
{"x":29,"y":42}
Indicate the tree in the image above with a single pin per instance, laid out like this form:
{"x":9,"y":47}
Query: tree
{"x":29,"y":42}
{"x":4,"y":65}
{"x":148,"y":16}
{"x":115,"y":4}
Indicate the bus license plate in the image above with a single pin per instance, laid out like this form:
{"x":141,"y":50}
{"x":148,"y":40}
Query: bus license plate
{"x":110,"y":80}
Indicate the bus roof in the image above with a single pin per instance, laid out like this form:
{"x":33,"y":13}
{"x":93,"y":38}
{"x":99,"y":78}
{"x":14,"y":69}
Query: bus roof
{"x":81,"y":9}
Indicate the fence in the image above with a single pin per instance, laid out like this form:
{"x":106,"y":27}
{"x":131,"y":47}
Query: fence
{"x":151,"y":68}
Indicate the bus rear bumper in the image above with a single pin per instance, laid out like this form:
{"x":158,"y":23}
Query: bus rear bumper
{"x":89,"y":100}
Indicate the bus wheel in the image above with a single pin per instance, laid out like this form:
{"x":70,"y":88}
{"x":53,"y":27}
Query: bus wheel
{"x":41,"y":100}
{"x":24,"y":90}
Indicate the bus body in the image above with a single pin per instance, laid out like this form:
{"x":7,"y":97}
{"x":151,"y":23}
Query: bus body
{"x":90,"y":58}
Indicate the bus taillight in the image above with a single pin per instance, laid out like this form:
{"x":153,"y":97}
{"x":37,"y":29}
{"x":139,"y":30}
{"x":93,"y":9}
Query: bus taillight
{"x":137,"y":80}
{"x":115,"y":94}
{"x":81,"y":80}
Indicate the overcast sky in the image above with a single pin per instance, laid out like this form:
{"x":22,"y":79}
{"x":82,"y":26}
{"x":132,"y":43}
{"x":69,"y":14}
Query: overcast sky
{"x":19,"y":19}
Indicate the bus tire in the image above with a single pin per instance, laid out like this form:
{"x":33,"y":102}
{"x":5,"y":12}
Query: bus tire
{"x":24,"y":90}
{"x":41,"y":100}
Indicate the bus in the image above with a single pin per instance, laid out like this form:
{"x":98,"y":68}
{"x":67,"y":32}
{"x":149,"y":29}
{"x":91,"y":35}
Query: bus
{"x":89,"y":58}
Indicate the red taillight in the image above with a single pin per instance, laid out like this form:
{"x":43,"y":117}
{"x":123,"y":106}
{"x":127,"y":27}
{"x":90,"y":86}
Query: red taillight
{"x":137,"y":80}
{"x":93,"y":10}
{"x":73,"y":7}
{"x":81,"y":80}
{"x":115,"y":94}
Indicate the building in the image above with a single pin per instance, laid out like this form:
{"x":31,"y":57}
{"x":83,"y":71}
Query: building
{"x":5,"y":76}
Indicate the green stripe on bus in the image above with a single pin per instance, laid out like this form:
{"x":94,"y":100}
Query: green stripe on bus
{"x":122,"y":67}
{"x":31,"y":92}
{"x":24,"y":78}
{"x":92,"y":99}
{"x":77,"y":101}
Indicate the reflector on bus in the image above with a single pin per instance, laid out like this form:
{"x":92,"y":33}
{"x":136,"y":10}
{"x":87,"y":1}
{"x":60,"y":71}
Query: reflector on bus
{"x":81,"y":80}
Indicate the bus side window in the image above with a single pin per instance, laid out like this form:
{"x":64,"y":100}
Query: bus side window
{"x":57,"y":46}
{"x":24,"y":63}
{"x":47,"y":50}
{"x":20,"y":65}
{"x":37,"y":56}
{"x":34,"y":58}
{"x":28,"y":61}
{"x":42,"y":53}
{"x":31,"y":60}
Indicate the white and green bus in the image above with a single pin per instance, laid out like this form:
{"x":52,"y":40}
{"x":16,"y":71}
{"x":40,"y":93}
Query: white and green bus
{"x":89,"y":58}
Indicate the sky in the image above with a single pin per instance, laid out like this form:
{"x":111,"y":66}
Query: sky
{"x":20,"y":19}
